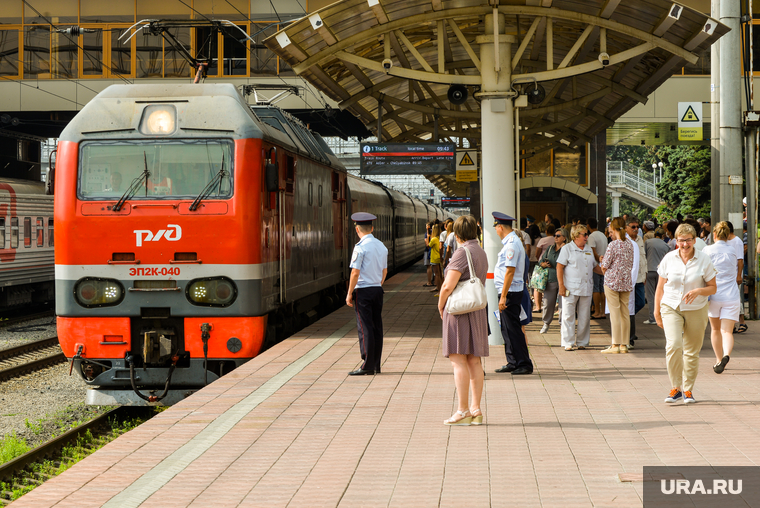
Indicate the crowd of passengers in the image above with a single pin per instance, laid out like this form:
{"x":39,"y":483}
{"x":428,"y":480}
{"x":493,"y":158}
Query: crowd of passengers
{"x":685,"y":272}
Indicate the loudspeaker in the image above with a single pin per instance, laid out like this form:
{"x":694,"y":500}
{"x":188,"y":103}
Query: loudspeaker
{"x":536,"y":93}
{"x":457,"y":94}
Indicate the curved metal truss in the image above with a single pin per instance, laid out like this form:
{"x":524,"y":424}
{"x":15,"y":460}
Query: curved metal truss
{"x":402,"y":56}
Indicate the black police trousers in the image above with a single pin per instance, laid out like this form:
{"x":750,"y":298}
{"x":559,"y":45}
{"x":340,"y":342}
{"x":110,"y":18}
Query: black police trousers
{"x":515,"y":344}
{"x":368,"y":303}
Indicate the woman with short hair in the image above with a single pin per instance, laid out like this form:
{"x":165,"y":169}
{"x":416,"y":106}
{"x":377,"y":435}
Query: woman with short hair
{"x":465,"y":336}
{"x":575,"y":275}
{"x":687,"y":278}
{"x":551,"y":294}
{"x":616,"y":265}
{"x":724,"y":307}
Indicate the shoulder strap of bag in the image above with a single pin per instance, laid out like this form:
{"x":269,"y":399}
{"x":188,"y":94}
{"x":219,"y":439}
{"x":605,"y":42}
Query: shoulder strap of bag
{"x":469,"y":262}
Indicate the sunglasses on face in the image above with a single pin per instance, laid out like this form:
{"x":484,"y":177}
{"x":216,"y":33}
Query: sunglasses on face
{"x":558,"y":236}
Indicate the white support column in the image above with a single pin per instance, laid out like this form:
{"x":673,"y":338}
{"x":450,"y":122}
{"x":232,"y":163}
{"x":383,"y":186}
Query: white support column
{"x":616,"y":204}
{"x":715,"y":120}
{"x":498,"y":157}
{"x":730,"y":114}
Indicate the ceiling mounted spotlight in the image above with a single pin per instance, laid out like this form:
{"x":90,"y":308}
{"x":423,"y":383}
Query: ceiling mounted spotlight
{"x":457,"y":94}
{"x":536,"y":93}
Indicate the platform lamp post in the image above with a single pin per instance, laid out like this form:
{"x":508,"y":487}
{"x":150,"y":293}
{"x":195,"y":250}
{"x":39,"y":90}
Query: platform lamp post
{"x":654,"y":169}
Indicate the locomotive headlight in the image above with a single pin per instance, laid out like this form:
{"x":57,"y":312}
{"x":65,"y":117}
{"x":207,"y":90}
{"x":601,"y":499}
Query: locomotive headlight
{"x":95,"y":292}
{"x":159,"y":120}
{"x":212,"y":291}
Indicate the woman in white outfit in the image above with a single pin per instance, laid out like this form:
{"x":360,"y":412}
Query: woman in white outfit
{"x":724,"y":307}
{"x":575,"y":274}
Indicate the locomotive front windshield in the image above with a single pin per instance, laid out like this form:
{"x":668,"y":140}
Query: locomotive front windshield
{"x":178,"y":168}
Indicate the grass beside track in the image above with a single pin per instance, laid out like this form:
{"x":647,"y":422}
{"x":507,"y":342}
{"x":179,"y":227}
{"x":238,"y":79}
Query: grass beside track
{"x":37,"y":433}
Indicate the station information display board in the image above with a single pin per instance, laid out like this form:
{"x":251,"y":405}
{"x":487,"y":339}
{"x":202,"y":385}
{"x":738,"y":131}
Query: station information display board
{"x":408,"y":159}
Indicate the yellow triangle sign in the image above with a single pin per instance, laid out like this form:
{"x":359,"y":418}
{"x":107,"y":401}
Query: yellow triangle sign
{"x":466,"y":160}
{"x":690,"y":116}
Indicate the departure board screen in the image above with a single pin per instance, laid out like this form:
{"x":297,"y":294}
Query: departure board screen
{"x":408,"y":159}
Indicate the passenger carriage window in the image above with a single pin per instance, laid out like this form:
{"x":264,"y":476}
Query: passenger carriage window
{"x":40,"y":232}
{"x":51,"y":243}
{"x":14,"y":233}
{"x":2,"y":233}
{"x":27,"y":232}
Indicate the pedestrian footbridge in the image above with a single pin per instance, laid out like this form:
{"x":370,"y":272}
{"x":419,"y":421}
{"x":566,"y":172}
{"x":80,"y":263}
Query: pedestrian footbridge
{"x":624,"y":181}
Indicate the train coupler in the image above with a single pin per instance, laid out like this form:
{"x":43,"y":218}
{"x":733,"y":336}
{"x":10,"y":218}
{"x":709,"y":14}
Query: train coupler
{"x":80,"y":350}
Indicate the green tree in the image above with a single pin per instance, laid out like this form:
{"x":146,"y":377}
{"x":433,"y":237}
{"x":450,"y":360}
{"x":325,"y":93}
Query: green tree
{"x":685,"y":186}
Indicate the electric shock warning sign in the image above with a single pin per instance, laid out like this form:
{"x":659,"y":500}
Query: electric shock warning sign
{"x":690,"y":121}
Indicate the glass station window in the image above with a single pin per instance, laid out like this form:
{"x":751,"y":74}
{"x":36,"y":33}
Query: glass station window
{"x":121,"y":53}
{"x":539,"y":164}
{"x":150,"y":52}
{"x":92,"y":54}
{"x":37,"y":51}
{"x":40,"y":232}
{"x":263,"y":61}
{"x":27,"y":232}
{"x":178,"y":168}
{"x":207,"y":48}
{"x":14,"y":232}
{"x":571,"y":166}
{"x":163,"y":9}
{"x":235,"y":48}
{"x":175,"y":65}
{"x":9,"y":53}
{"x":65,"y":55}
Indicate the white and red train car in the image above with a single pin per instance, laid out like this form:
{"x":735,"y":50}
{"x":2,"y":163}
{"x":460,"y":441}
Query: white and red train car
{"x":192,"y":228}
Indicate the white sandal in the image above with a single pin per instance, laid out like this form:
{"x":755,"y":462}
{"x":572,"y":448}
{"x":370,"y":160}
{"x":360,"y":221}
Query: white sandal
{"x":477,"y":417}
{"x":464,"y":420}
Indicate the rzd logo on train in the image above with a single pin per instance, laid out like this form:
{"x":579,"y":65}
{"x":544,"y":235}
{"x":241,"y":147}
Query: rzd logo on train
{"x":145,"y":235}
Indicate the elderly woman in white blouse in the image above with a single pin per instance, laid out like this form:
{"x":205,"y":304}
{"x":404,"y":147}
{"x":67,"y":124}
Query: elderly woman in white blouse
{"x":575,"y":275}
{"x":687,"y":278}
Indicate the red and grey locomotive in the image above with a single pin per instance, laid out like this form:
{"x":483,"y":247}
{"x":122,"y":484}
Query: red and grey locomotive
{"x":192,"y":227}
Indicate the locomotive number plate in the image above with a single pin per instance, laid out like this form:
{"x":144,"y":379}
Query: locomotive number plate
{"x":147,"y":271}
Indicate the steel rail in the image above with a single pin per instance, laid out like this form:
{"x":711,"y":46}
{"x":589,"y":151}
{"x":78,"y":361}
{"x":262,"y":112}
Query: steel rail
{"x":49,"y":450}
{"x":33,"y":365}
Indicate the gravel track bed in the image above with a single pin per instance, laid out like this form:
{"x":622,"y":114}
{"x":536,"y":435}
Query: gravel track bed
{"x":50,"y":394}
{"x":27,"y":331}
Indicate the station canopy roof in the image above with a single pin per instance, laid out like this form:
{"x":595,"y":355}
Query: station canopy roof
{"x":433,"y":44}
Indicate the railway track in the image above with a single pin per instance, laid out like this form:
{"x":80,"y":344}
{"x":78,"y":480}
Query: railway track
{"x":43,"y":462}
{"x":30,"y":357}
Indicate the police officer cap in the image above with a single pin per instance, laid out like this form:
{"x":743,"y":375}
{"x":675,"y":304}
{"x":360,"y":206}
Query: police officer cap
{"x":502,"y":218}
{"x":363,"y":218}
{"x":530,"y":218}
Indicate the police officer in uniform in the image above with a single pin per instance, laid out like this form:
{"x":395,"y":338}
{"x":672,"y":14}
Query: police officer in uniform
{"x":508,"y":279}
{"x":369,"y":267}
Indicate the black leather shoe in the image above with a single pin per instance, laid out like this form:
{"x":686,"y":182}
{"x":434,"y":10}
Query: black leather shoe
{"x":360,"y":372}
{"x":506,"y":368}
{"x":377,"y":371}
{"x":522,"y":370}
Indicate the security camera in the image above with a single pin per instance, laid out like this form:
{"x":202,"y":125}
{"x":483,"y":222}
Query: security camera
{"x":387,"y":64}
{"x":604,"y":58}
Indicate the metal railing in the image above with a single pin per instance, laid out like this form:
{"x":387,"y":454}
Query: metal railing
{"x":618,"y":176}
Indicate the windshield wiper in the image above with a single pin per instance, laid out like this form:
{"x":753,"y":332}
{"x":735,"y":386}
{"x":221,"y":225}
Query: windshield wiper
{"x":209,"y":188}
{"x":134,"y":186}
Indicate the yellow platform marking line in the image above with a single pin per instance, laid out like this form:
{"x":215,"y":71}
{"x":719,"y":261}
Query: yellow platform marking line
{"x":149,"y":483}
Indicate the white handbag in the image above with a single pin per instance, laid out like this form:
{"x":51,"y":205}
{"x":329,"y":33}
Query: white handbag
{"x":469,"y":295}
